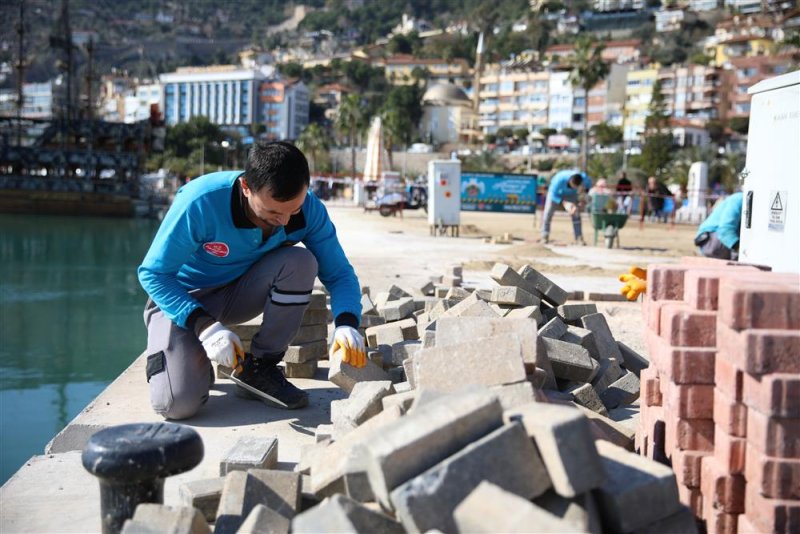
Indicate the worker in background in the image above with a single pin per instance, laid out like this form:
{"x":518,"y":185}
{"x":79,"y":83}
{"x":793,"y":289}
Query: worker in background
{"x":657,"y":194}
{"x":564,"y":190}
{"x":718,"y":236}
{"x":222,"y":256}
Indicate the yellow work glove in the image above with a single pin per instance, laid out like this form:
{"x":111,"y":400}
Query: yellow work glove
{"x":638,"y":272}
{"x":634,"y":286}
{"x":351,"y":344}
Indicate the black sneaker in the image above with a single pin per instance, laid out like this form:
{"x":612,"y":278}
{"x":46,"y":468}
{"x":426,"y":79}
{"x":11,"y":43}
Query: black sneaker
{"x":264,"y":381}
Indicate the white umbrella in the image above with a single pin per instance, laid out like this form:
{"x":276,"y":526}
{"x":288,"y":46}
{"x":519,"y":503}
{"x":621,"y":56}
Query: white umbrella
{"x":376,"y":158}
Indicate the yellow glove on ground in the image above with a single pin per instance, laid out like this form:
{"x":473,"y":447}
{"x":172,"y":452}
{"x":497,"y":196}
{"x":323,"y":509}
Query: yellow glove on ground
{"x":634,"y":286}
{"x":638,"y":272}
{"x":352,"y":345}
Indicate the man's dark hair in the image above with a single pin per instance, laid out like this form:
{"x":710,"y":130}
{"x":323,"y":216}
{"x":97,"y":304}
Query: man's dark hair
{"x":279,"y":166}
{"x":576,"y":180}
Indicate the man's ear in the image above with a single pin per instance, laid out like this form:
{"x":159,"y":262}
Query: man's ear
{"x":244,"y":186}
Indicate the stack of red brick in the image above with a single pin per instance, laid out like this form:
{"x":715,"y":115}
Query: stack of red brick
{"x":721,"y":398}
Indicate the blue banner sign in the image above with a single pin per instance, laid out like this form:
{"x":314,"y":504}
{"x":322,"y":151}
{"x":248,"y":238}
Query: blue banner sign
{"x":514,"y":193}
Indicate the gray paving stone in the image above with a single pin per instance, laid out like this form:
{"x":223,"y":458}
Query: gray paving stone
{"x":404,"y":350}
{"x":580,"y":510}
{"x":569,"y":361}
{"x":605,"y":428}
{"x":427,"y":289}
{"x":604,"y":339}
{"x":512,"y":295}
{"x":371,"y":320}
{"x":422,"y":302}
{"x":632,"y":360}
{"x":398,"y":293}
{"x":584,"y":338}
{"x":608,"y":373}
{"x":555,"y":328}
{"x":150,"y":518}
{"x":381,"y":356}
{"x":681,"y":522}
{"x":318,"y":300}
{"x":572,"y":313}
{"x":452,"y":331}
{"x":367,"y":306}
{"x":277,"y":490}
{"x":330,"y":472}
{"x":308,"y":334}
{"x":605,"y":297}
{"x":203,"y":494}
{"x":548,"y":290}
{"x":231,"y":503}
{"x":452,"y":281}
{"x":343,"y":515}
{"x":364,"y":402}
{"x":250,"y":452}
{"x":301,"y":370}
{"x":402,"y":400}
{"x":471,"y":306}
{"x":624,"y":390}
{"x":513,"y":395}
{"x":457,"y":293}
{"x":323,"y":432}
{"x":397,"y":374}
{"x":301,"y":353}
{"x":564,"y":440}
{"x":505,"y":457}
{"x":586,"y":396}
{"x":456,"y":366}
{"x":396,"y":310}
{"x":506,"y":276}
{"x":637,"y":490}
{"x":527,"y":312}
{"x":346,"y":376}
{"x":425,"y":436}
{"x":454,"y":270}
{"x":310,"y":452}
{"x":262,"y":520}
{"x":490,"y":509}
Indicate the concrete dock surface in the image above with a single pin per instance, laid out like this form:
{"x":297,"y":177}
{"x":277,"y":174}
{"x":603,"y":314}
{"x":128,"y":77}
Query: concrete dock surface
{"x":52,"y":492}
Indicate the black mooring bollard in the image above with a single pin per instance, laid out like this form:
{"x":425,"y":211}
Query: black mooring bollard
{"x":132,"y":462}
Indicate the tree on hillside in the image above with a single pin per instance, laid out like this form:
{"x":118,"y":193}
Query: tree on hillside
{"x":315,"y":142}
{"x":351,"y":120}
{"x":657,"y":149}
{"x":588,"y":69}
{"x":606,"y":134}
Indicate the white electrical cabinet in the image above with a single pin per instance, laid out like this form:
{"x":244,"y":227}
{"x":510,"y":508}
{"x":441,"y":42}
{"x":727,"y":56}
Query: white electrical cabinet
{"x":444,"y":194}
{"x":770,"y":229}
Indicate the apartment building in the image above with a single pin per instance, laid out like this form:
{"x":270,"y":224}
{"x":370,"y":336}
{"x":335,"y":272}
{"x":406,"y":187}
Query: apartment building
{"x":623,"y":51}
{"x":513,"y":98}
{"x":400,"y":70}
{"x":39,"y":100}
{"x":560,"y":101}
{"x":618,"y":5}
{"x":740,"y":74}
{"x":691,"y":92}
{"x":638,"y":94}
{"x":282,"y":106}
{"x":225,"y":94}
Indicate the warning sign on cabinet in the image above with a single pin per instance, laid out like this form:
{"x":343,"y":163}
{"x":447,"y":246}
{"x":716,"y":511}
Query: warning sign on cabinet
{"x":777,"y":210}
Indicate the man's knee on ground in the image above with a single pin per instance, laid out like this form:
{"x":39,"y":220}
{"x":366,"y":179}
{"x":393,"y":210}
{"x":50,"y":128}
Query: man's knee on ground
{"x":181,"y":406}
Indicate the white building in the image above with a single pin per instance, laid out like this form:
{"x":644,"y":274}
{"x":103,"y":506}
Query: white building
{"x":560,"y":101}
{"x":39,"y":100}
{"x":703,"y":5}
{"x":668,"y":20}
{"x":618,"y":5}
{"x":223,"y":93}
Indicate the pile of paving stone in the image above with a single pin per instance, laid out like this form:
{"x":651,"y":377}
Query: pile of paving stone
{"x":478,"y":411}
{"x":519,"y":337}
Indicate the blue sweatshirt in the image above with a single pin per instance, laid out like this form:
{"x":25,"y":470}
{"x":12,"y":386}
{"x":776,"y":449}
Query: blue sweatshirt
{"x":725,"y":220}
{"x":198,"y":246}
{"x":559,"y":184}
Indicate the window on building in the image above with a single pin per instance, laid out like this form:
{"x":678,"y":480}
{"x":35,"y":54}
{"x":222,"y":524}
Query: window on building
{"x":507,"y":87}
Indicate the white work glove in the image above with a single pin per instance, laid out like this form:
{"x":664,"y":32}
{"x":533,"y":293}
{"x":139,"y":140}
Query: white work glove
{"x":352,"y":345}
{"x":220,"y":344}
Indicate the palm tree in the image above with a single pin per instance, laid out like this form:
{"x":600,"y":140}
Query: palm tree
{"x":588,"y":69}
{"x":314,"y":141}
{"x":393,"y":130}
{"x":350,"y":120}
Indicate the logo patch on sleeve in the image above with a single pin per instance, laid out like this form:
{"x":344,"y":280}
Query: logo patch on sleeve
{"x":217,"y":248}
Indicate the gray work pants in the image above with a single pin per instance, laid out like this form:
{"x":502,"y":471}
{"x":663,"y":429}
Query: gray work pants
{"x":179,"y":373}
{"x":713,"y":248}
{"x":550,"y":210}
